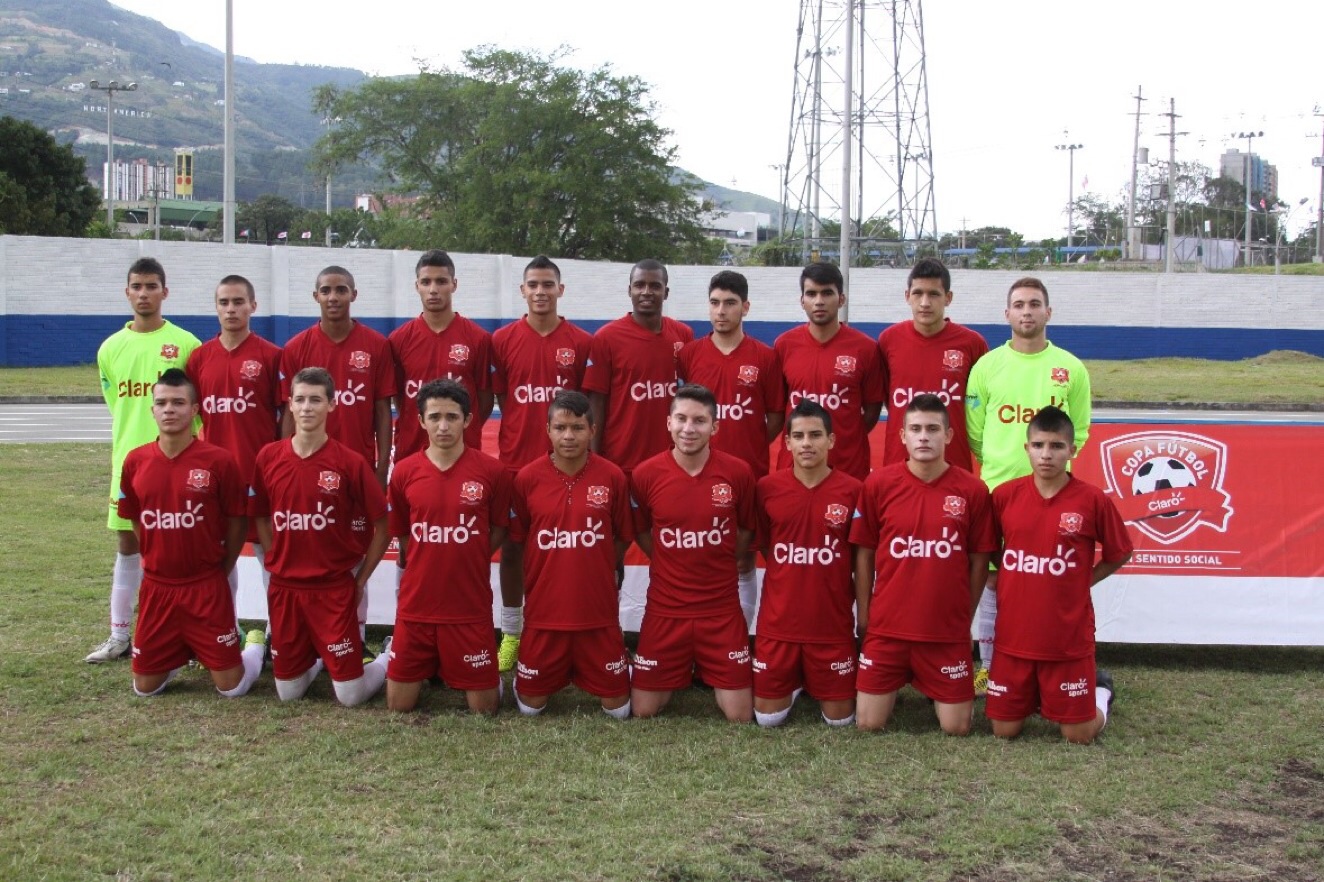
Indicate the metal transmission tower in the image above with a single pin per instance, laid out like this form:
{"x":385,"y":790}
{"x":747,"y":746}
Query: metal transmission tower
{"x":884,"y":153}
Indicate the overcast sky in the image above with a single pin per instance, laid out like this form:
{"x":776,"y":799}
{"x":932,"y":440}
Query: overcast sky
{"x":1006,"y":80}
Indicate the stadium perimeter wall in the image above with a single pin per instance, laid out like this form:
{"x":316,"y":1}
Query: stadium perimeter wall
{"x":59,"y":298}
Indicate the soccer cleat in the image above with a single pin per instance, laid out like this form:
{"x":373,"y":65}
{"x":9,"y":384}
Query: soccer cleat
{"x":255,"y":637}
{"x":1104,"y":680}
{"x":981,"y":682}
{"x":113,"y":648}
{"x":507,"y":652}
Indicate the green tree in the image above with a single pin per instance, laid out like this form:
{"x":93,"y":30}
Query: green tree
{"x":515,"y":154}
{"x":43,"y":186}
{"x":266,"y":217}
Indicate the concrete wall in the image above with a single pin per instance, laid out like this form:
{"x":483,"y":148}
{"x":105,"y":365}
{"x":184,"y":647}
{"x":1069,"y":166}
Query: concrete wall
{"x":59,"y":298}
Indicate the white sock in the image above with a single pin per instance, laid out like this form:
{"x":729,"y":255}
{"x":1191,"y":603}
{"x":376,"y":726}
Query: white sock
{"x":619,"y":713}
{"x":159,"y":689}
{"x":776,"y":718}
{"x":354,"y":692}
{"x":525,"y":709}
{"x":512,"y":620}
{"x":125,"y":578}
{"x":844,"y":721}
{"x":252,"y":661}
{"x":292,"y":690}
{"x":985,"y":615}
{"x":749,"y":595}
{"x":1101,"y":698}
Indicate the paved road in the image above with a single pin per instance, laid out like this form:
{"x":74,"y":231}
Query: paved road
{"x":36,"y":423}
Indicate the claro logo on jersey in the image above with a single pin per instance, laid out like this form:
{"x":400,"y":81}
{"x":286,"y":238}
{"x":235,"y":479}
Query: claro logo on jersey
{"x":155,"y":519}
{"x":834,"y":399}
{"x":1168,"y":484}
{"x":296,"y":521}
{"x":671,"y":537}
{"x":351,"y":395}
{"x":588,"y":537}
{"x":950,"y":391}
{"x":943,"y":547}
{"x":824,"y":555}
{"x":737,"y":410}
{"x":648,"y":390}
{"x":527,"y":393}
{"x":1017,"y":561}
{"x":240,"y":402}
{"x":1019,"y":413}
{"x":465,"y":528}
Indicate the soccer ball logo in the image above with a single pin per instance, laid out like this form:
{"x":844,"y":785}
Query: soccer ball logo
{"x":199,"y":479}
{"x":723,"y":494}
{"x":1162,"y":473}
{"x":954,"y":506}
{"x":329,"y":481}
{"x":1061,"y":376}
{"x":836,"y":514}
{"x":169,"y":351}
{"x":953,"y":359}
{"x":459,"y":353}
{"x":565,"y":357}
{"x":471,"y":492}
{"x":250,"y":370}
{"x":599,"y":496}
{"x":748,"y":374}
{"x":359,"y":360}
{"x":1071,"y":522}
{"x":845,"y":365}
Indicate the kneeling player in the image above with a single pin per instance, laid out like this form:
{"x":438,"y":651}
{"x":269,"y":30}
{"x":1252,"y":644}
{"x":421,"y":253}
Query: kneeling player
{"x":320,"y":512}
{"x":186,"y":501}
{"x":924,"y":532}
{"x":806,"y":625}
{"x":573,"y":522}
{"x":450,"y":507}
{"x":1043,"y":651}
{"x":694,"y":518}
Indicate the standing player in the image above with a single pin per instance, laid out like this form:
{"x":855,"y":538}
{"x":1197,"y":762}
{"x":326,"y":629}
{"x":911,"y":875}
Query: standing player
{"x":694,"y":517}
{"x":929,"y":353}
{"x":573,"y":523}
{"x":129,"y":362}
{"x":835,"y":365}
{"x":924,"y":535}
{"x":1051,"y":526}
{"x":1007,"y":388}
{"x":450,"y":507}
{"x":322,"y":518}
{"x":237,"y":377}
{"x":534,"y":359}
{"x":186,"y":501}
{"x":806,"y":625}
{"x":745,"y":377}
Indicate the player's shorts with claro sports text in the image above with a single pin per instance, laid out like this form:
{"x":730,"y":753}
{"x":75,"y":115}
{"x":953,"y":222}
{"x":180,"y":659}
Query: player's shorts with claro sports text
{"x":308,"y":623}
{"x":180,"y":622}
{"x":942,"y":671}
{"x":671,"y":650}
{"x":1059,"y":691}
{"x":825,"y":670}
{"x":463,"y":655}
{"x":594,"y":660}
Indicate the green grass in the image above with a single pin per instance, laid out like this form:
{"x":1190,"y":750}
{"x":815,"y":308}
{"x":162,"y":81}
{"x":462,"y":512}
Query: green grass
{"x":73,"y":380}
{"x":1211,"y":767}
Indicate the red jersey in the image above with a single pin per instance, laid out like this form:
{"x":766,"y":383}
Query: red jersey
{"x":529,"y":369}
{"x":913,"y":364}
{"x":844,"y":376}
{"x":322,"y":510}
{"x":569,"y":526}
{"x":239,"y":396}
{"x":694,"y":520}
{"x":922,"y":535}
{"x":448,"y":516}
{"x":808,"y":591}
{"x":636,"y":370}
{"x":362,"y":367}
{"x":1045,"y":611}
{"x":748,"y":386}
{"x":182,"y":509}
{"x":463,"y":352}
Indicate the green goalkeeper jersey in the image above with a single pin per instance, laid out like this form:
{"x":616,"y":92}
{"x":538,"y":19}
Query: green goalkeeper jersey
{"x":1006,"y":389}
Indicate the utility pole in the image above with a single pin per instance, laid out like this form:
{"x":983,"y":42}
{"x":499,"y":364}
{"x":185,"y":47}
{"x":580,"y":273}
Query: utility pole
{"x":1071,"y":187}
{"x":229,"y":207}
{"x":1132,"y":234}
{"x":1250,"y":149}
{"x":781,"y":202}
{"x":846,"y":136}
{"x":110,"y":89}
{"x":1170,"y":249}
{"x":1319,"y":218}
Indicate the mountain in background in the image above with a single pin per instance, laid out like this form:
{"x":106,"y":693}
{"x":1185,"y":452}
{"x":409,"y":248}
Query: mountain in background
{"x":51,"y":49}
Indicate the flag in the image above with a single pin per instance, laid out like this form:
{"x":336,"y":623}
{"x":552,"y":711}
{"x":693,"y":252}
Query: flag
{"x":283,"y":234}
{"x":244,"y":233}
{"x":1085,"y":184}
{"x":306,"y":234}
{"x":1262,"y":205}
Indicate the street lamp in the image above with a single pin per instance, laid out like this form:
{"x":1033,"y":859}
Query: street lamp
{"x":110,"y":89}
{"x":1250,"y":145}
{"x":1071,"y":188}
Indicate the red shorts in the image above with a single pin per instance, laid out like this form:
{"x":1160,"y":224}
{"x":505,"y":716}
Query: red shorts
{"x":310,"y":622}
{"x":671,"y":650}
{"x":462,"y":655}
{"x":825,"y":670}
{"x":942,"y":671}
{"x":594,"y":660}
{"x":1059,"y":691}
{"x":180,"y":622}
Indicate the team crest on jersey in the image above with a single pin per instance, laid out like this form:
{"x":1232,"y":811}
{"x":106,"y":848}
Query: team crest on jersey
{"x":836,"y":514}
{"x":169,"y":351}
{"x":471,"y":492}
{"x":599,"y":497}
{"x":565,"y":356}
{"x":723,"y":494}
{"x":845,"y":365}
{"x":459,"y":353}
{"x":329,"y":481}
{"x":1168,"y":484}
{"x":954,"y":506}
{"x":1061,"y":376}
{"x":360,"y":360}
{"x":250,"y":370}
{"x":1070,"y":524}
{"x":748,"y":374}
{"x":953,"y":359}
{"x":199,"y":479}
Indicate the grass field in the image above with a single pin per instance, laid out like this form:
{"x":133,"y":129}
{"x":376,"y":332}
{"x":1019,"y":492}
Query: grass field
{"x":1212,"y":767}
{"x":1281,"y":378}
